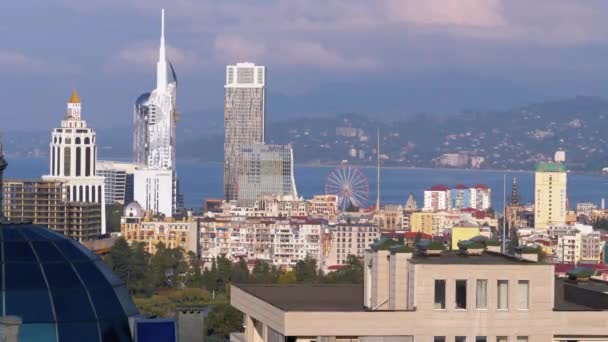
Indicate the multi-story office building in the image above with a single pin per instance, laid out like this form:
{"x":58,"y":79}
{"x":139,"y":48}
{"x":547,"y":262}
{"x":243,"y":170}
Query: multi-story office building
{"x":45,"y":202}
{"x":430,"y":297}
{"x":155,"y":117}
{"x":264,"y":170}
{"x":118,"y":180}
{"x":550,"y":196}
{"x":73,"y":160}
{"x":244,"y":110}
{"x":136,"y":227}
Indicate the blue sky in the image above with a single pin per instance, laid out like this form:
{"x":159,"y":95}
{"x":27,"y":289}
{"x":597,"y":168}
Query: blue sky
{"x":514,"y":50}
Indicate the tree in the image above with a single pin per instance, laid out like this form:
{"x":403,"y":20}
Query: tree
{"x":120,"y":260}
{"x":239,"y":272}
{"x":306,"y":270}
{"x":288,"y":277}
{"x":352,"y":272}
{"x":194,"y":277}
{"x":113,"y":214}
{"x":138,"y":267}
{"x":223,"y":320}
{"x":263,"y":273}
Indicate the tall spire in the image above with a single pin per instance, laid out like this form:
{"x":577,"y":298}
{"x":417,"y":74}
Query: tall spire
{"x":514,"y":193}
{"x":161,"y":66}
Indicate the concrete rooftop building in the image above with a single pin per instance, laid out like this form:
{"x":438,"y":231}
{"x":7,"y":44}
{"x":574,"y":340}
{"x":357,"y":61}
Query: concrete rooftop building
{"x":450,"y":296}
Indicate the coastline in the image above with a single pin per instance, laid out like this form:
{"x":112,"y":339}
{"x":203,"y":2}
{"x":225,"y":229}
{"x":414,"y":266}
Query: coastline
{"x":333,"y":165}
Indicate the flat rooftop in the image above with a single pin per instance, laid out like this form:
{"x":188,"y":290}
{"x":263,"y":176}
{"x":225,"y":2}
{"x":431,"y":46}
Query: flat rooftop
{"x":591,"y":295}
{"x":334,"y":297}
{"x":457,"y":258}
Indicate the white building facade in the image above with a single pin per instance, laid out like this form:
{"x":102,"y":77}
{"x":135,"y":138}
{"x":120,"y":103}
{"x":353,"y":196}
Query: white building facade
{"x":155,"y":117}
{"x":73,"y":159}
{"x":118,"y":180}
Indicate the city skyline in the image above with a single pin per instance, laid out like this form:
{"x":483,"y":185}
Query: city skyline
{"x":556,"y":45}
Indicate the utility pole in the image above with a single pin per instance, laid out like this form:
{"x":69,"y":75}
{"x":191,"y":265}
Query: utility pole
{"x":504,"y":214}
{"x":378,"y":179}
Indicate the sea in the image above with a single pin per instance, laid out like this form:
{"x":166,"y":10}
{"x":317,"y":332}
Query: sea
{"x":200,"y":181}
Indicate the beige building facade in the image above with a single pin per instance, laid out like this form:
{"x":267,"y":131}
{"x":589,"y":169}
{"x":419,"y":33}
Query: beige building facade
{"x":451,"y":297}
{"x":550,"y":195}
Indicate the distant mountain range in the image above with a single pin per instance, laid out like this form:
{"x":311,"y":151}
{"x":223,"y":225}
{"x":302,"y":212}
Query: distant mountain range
{"x":510,"y":139}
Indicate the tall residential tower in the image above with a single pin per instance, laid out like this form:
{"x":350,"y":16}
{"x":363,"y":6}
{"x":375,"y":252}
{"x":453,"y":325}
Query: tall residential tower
{"x":550,"y":199}
{"x":155,"y":116}
{"x":244,"y":109}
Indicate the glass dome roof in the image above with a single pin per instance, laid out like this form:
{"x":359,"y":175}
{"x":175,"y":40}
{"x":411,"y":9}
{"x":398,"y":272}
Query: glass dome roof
{"x":59,"y":289}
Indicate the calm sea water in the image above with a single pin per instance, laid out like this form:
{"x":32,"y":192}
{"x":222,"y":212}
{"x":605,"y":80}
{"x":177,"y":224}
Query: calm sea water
{"x":204,"y":180}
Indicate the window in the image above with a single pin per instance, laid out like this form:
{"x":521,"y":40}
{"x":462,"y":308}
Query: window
{"x":481,"y":339}
{"x":460,"y":339}
{"x":503,"y":294}
{"x":501,"y":339}
{"x":481,"y":294}
{"x":439,"y":294}
{"x":523,"y":294}
{"x":461,"y":294}
{"x":522,"y":338}
{"x":439,"y":339}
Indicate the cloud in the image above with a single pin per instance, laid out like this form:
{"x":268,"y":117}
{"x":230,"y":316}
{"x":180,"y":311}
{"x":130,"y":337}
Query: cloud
{"x":230,"y":47}
{"x":468,"y":13}
{"x":143,"y":58}
{"x":17,"y":61}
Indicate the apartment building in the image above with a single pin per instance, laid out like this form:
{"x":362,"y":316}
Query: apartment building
{"x":136,"y":227}
{"x":453,"y":296}
{"x":45,"y":202}
{"x":350,"y":238}
{"x":295,"y":239}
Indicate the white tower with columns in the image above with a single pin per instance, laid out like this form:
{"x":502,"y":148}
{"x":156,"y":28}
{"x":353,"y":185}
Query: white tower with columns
{"x":73,"y":159}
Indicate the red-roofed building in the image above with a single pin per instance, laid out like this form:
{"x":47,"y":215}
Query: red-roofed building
{"x":437,"y":198}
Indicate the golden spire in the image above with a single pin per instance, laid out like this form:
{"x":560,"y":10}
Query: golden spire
{"x":74,"y":98}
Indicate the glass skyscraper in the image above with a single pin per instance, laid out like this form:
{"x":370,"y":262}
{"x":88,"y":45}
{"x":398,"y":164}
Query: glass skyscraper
{"x":264,"y":170}
{"x":244,"y":107}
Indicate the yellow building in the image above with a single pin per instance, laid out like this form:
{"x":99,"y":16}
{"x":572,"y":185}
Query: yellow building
{"x":550,"y":196}
{"x":136,"y":227}
{"x":424,"y":222}
{"x":464,"y":231}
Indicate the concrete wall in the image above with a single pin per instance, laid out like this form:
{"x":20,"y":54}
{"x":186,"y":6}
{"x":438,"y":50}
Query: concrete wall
{"x":398,"y":281}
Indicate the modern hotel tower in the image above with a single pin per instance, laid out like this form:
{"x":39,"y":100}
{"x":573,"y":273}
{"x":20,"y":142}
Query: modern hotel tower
{"x":73,"y":154}
{"x":155,"y":185}
{"x":244,"y":107}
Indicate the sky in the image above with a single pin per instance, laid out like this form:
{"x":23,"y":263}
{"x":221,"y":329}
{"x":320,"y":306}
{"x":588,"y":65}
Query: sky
{"x":398,"y":56}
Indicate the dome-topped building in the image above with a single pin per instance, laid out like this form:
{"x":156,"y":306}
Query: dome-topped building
{"x":60,"y":290}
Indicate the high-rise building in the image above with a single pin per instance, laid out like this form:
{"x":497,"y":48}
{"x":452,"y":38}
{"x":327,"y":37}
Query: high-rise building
{"x":153,"y":190}
{"x":118,"y":179}
{"x":550,"y":182}
{"x":244,"y":110}
{"x":155,"y":117}
{"x":73,"y":159}
{"x":45,"y":202}
{"x":264,"y":170}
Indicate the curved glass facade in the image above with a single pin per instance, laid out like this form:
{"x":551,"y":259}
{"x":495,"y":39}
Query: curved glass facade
{"x":59,"y":289}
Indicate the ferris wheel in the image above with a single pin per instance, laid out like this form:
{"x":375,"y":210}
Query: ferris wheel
{"x":349,"y":184}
